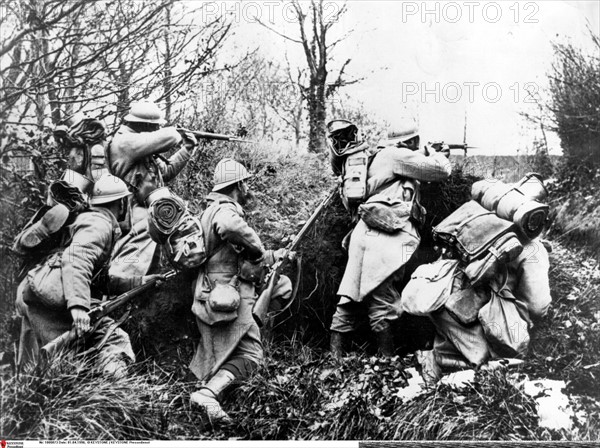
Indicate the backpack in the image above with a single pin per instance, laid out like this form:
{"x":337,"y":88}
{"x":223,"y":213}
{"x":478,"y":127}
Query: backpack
{"x":185,"y":246}
{"x":480,"y":239}
{"x":354,"y":167}
{"x":349,"y":156}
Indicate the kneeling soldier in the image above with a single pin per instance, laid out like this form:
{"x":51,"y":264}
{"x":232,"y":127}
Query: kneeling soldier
{"x":226,"y":290}
{"x":57,"y":294}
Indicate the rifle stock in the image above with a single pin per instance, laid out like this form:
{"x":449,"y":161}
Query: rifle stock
{"x":97,"y":313}
{"x":261,"y":306}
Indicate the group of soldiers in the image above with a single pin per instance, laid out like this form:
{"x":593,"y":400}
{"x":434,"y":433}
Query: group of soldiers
{"x":97,"y":238}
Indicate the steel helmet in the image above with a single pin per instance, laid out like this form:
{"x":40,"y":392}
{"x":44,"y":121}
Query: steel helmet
{"x":401,"y":133}
{"x":108,"y":188}
{"x":145,"y":112}
{"x":229,"y":172}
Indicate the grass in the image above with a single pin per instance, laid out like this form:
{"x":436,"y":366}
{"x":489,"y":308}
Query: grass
{"x":300,"y":392}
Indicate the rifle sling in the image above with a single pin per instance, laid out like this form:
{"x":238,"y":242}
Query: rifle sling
{"x":295,"y":288}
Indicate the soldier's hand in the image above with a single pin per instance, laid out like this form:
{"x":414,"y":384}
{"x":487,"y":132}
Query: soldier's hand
{"x":279,"y":254}
{"x":189,"y":140}
{"x":444,"y":149}
{"x":81,"y":320}
{"x":160,"y":279}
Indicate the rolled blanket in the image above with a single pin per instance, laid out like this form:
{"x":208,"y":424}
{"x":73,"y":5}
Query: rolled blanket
{"x":164,"y":215}
{"x":89,"y":131}
{"x":75,"y":142}
{"x":63,"y":192}
{"x":531,"y":218}
{"x":517,"y":203}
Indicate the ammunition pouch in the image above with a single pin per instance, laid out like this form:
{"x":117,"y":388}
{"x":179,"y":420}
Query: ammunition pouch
{"x":253,"y":272}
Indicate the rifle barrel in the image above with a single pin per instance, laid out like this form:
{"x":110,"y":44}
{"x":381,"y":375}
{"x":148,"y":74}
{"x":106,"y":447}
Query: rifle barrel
{"x":110,"y":306}
{"x":260,"y":308}
{"x":214,"y":136}
{"x":311,"y":220}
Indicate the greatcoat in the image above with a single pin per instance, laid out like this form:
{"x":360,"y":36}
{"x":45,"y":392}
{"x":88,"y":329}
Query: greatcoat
{"x":374,"y":256}
{"x":230,"y":241}
{"x":86,"y":247}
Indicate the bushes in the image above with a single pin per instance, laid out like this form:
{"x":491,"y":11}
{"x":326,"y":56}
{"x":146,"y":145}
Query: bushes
{"x":575,"y":89}
{"x":21,"y":194}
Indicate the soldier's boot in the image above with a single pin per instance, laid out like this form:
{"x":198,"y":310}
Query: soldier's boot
{"x":429,"y":367}
{"x":207,"y":397}
{"x":337,"y":344}
{"x":385,"y":342}
{"x":50,"y":223}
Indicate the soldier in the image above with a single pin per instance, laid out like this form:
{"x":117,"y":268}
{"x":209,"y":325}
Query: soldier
{"x":56,"y":295}
{"x":376,"y":257}
{"x":226,"y":290}
{"x":134,"y":156}
{"x":523,"y":283}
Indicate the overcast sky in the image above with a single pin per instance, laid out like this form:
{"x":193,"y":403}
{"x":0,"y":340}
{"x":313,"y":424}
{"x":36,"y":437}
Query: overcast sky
{"x":435,"y":61}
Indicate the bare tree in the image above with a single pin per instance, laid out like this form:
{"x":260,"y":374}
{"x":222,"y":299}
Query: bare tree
{"x":68,"y":55}
{"x":314,"y":26}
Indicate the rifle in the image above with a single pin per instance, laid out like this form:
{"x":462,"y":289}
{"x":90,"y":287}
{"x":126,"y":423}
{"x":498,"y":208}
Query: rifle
{"x":213,"y":136}
{"x":259,"y":311}
{"x":440,"y":145}
{"x":98,"y":312}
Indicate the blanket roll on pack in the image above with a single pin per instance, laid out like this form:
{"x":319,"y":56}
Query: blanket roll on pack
{"x":518,"y":203}
{"x":165,"y":211}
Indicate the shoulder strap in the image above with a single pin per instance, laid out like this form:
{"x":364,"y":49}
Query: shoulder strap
{"x":205,"y":222}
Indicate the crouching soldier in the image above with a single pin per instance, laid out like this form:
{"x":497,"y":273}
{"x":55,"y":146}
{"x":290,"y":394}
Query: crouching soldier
{"x":56,"y":295}
{"x":517,"y":298}
{"x":226,"y":290}
{"x":497,"y":287}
